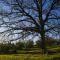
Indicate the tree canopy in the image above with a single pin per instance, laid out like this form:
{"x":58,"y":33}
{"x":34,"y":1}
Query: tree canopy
{"x":22,"y":18}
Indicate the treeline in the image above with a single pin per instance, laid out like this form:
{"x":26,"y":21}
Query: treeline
{"x":26,"y":45}
{"x":13,"y":47}
{"x":48,"y":42}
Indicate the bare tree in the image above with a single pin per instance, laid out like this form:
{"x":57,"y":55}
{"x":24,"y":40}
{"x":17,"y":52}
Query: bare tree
{"x":31,"y":17}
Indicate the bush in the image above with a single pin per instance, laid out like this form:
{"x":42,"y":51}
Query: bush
{"x":5,"y":48}
{"x":29,"y":44}
{"x":38,"y":43}
{"x":20,"y":45}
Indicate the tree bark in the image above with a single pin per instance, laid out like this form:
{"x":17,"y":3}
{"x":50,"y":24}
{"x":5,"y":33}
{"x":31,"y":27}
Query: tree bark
{"x":43,"y":45}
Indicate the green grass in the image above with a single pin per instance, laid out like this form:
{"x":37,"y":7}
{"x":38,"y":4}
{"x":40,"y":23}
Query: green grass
{"x":28,"y":57}
{"x":31,"y":55}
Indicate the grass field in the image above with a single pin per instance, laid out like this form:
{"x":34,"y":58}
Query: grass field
{"x":32,"y":55}
{"x":29,"y":57}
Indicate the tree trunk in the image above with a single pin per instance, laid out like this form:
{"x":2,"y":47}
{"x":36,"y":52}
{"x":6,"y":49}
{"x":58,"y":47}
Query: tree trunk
{"x":43,"y":45}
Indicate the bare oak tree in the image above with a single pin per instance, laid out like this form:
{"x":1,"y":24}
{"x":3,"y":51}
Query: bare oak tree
{"x":26,"y":17}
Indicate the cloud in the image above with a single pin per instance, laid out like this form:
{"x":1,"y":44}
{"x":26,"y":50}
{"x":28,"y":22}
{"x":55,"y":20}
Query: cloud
{"x":4,"y":8}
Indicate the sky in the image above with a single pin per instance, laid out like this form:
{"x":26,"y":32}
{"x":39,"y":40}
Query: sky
{"x":4,"y":7}
{"x":7,"y":8}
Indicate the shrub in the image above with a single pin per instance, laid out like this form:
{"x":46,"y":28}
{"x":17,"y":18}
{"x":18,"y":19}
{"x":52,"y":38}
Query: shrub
{"x":38,"y":43}
{"x":29,"y":44}
{"x":19,"y":45}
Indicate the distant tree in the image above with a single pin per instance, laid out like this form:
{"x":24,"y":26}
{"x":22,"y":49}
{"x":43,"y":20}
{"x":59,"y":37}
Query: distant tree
{"x":50,"y":41}
{"x":29,"y":44}
{"x":6,"y":48}
{"x":38,"y":43}
{"x":20,"y":45}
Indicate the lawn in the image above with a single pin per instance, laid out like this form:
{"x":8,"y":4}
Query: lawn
{"x":29,"y":57}
{"x":32,"y":55}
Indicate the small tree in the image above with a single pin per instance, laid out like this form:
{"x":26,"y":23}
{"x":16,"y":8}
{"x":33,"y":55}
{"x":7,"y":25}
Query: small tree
{"x":20,"y":45}
{"x":38,"y":43}
{"x":29,"y":44}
